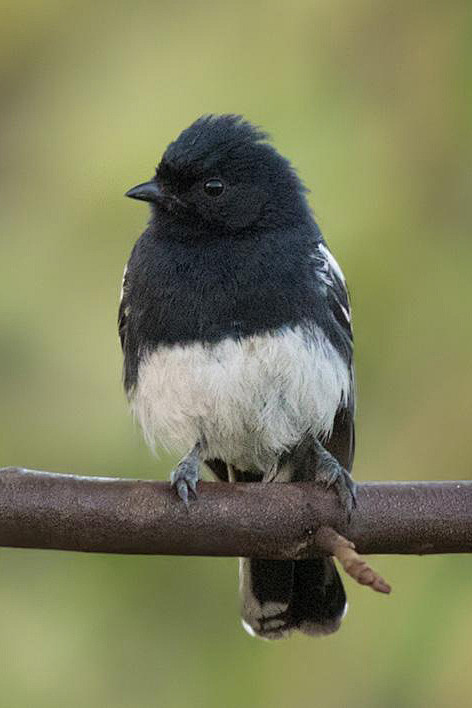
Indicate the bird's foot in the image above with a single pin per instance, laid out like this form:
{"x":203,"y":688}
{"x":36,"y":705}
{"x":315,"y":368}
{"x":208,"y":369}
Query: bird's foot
{"x":330,"y":473}
{"x":185,"y":476}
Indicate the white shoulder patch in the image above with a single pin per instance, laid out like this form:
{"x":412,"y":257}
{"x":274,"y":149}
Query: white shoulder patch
{"x":332,"y":276}
{"x":332,"y":262}
{"x":122,"y":292}
{"x":346,"y":313}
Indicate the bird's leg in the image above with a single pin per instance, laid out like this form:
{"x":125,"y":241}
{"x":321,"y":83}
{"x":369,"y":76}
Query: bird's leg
{"x":185,"y":476}
{"x":330,"y":473}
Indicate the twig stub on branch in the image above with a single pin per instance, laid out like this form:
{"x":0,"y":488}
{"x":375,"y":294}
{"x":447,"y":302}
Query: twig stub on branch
{"x":354,"y":565}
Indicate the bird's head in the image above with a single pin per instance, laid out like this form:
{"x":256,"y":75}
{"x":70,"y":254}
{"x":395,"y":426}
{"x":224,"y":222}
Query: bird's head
{"x":222,"y":177}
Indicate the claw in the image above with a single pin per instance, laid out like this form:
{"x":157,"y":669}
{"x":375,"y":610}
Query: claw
{"x":185,"y":476}
{"x":332,"y":477}
{"x":346,"y":489}
{"x":182,"y":490}
{"x":331,"y":474}
{"x":192,"y":485}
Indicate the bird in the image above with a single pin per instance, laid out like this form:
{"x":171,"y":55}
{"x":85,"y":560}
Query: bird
{"x":235,"y":326}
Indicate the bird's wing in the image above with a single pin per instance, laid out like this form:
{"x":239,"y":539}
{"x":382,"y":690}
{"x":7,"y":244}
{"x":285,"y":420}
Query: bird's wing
{"x":123,"y":310}
{"x":127,"y":334}
{"x":338,"y":321}
{"x":332,"y":281}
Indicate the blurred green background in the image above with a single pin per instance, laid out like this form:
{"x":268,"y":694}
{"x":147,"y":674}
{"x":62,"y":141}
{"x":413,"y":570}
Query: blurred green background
{"x":370,"y":101}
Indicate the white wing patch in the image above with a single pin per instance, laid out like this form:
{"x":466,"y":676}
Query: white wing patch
{"x":331,"y":274}
{"x":122,"y":292}
{"x":332,"y":262}
{"x":123,"y":310}
{"x":346,"y":313}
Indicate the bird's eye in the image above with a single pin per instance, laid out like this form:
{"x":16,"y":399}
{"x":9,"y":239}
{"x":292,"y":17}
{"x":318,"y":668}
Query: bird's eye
{"x":213,"y":187}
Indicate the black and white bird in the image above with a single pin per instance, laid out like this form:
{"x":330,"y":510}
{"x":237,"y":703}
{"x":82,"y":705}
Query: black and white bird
{"x":235,"y":326}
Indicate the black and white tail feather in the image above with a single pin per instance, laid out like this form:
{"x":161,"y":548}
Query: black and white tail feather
{"x":279,"y":597}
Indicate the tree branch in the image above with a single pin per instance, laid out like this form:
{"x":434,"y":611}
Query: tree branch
{"x":45,"y":510}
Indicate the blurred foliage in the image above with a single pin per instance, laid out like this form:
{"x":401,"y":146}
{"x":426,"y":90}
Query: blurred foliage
{"x":370,"y":101}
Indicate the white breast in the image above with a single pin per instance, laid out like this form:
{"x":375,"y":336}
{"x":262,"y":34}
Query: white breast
{"x":248,"y":399}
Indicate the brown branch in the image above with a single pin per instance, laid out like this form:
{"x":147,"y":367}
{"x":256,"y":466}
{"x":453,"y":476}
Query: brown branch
{"x":44,"y":510}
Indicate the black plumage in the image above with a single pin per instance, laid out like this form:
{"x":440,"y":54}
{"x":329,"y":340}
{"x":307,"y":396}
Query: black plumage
{"x":232,"y":252}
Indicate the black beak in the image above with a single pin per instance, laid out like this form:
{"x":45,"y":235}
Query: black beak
{"x":146,"y":192}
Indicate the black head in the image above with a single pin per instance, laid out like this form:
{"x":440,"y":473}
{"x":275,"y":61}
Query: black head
{"x":222,"y":177}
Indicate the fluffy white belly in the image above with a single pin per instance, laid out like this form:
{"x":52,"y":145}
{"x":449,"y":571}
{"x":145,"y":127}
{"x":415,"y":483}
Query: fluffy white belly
{"x":247,"y":400}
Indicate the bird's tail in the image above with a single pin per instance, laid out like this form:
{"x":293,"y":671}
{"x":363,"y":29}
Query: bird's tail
{"x":279,"y":597}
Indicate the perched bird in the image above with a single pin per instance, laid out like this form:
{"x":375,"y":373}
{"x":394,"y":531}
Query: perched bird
{"x":235,"y":326}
